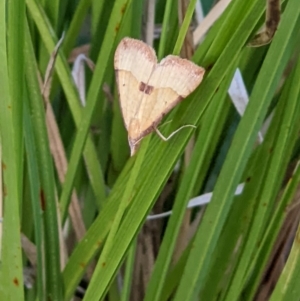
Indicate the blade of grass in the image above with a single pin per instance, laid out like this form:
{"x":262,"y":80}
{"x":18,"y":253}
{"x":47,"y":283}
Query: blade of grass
{"x":96,"y":291}
{"x":231,"y":244}
{"x":234,"y":232}
{"x":126,"y":290}
{"x":11,"y":269}
{"x":287,"y":136}
{"x":92,"y":241}
{"x":15,"y":62}
{"x":262,"y":256}
{"x":75,"y":25}
{"x":184,"y":27}
{"x":201,"y":156}
{"x":272,"y":182}
{"x":97,"y":81}
{"x":47,"y":193}
{"x":287,"y":287}
{"x":165,"y":29}
{"x":35,"y":201}
{"x":237,"y":157}
{"x":90,"y":154}
{"x":52,"y":8}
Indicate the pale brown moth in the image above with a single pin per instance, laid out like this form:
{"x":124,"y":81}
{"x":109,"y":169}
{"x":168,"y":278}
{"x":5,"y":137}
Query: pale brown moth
{"x":148,"y":90}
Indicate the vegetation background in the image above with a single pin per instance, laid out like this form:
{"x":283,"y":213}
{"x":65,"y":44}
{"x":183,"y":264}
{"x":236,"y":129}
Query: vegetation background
{"x":73,"y":204}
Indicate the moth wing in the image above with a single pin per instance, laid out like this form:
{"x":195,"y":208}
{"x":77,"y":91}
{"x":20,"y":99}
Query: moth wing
{"x":134,"y":62}
{"x":172,"y":80}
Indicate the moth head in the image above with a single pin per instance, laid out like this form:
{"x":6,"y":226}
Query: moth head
{"x":134,"y":145}
{"x":134,"y":135}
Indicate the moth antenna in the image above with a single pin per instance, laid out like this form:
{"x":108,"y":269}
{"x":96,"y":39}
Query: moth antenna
{"x":165,"y":123}
{"x":175,"y":132}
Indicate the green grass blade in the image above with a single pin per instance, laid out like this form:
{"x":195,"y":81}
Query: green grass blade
{"x":11,"y":269}
{"x":165,"y":29}
{"x":90,"y":155}
{"x":104,"y":270}
{"x":287,"y":288}
{"x":52,"y":9}
{"x":129,"y":272}
{"x":48,"y":198}
{"x":281,"y":153}
{"x":184,"y":27}
{"x":35,"y":198}
{"x":212,"y":123}
{"x":15,"y":32}
{"x":237,"y":157}
{"x":92,"y":97}
{"x":75,"y":25}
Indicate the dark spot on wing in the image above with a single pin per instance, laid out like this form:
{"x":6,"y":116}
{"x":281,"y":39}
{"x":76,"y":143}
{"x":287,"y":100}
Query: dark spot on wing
{"x":149,"y":89}
{"x":145,"y":88}
{"x":142,"y":86}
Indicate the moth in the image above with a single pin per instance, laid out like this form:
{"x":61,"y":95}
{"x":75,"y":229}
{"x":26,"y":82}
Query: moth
{"x":148,"y":90}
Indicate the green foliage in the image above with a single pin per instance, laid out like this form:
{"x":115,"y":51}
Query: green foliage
{"x":228,"y":252}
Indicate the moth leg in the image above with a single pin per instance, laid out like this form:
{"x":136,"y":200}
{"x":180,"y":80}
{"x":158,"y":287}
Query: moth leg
{"x":272,"y":20}
{"x":175,"y":132}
